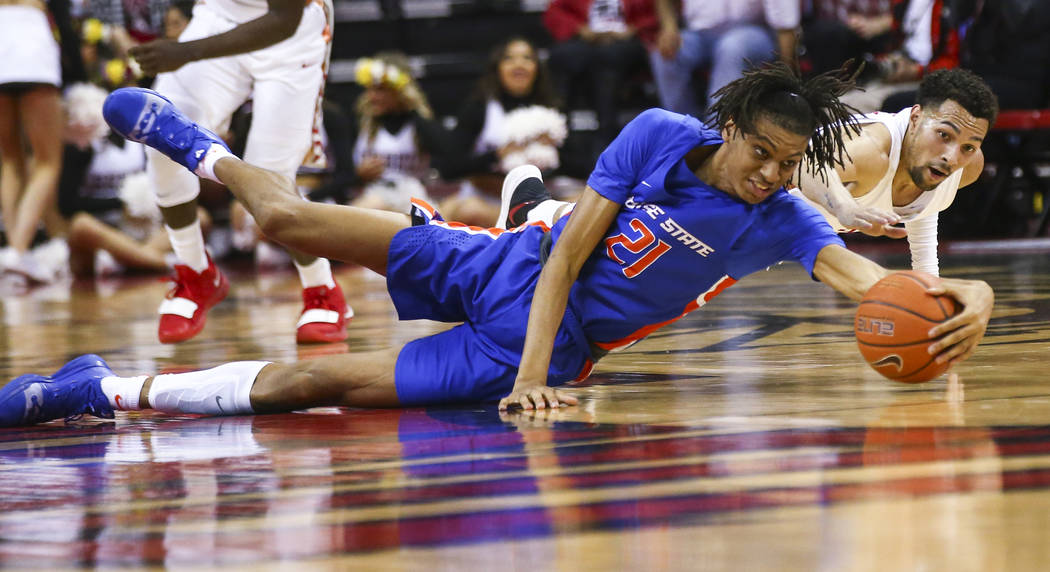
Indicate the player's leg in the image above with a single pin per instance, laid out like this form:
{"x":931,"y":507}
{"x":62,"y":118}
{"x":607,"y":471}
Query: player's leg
{"x":285,"y":99}
{"x":350,"y":234}
{"x":208,"y":92}
{"x":86,"y":385}
{"x":525,"y":200}
{"x":354,"y":235}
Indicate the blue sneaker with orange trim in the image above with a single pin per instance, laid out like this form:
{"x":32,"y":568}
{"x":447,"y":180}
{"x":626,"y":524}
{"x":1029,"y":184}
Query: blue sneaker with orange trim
{"x":69,"y":393}
{"x":149,"y":118}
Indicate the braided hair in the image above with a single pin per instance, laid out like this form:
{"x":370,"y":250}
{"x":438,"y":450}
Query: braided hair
{"x":775,"y":92}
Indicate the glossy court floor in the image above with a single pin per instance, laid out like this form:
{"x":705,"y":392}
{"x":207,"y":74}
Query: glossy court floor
{"x":748,"y":436}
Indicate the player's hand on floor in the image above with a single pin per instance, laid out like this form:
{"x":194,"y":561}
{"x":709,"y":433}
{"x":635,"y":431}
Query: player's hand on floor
{"x":965,"y":330}
{"x":536,"y":397}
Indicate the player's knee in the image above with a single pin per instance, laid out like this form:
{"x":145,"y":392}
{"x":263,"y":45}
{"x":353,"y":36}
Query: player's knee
{"x":82,"y":228}
{"x":276,"y":218}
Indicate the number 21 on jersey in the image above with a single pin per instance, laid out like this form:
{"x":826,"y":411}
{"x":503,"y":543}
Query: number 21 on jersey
{"x":638,"y":252}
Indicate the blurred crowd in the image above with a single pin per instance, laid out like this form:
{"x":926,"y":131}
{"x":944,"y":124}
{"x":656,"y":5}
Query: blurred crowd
{"x":76,"y":201}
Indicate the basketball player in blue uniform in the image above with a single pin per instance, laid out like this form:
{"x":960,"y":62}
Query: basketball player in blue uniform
{"x":673,"y":214}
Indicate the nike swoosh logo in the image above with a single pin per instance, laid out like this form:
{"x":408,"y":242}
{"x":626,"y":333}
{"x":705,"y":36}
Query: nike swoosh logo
{"x":120,"y":402}
{"x":218,"y":401}
{"x":894,"y":360}
{"x":647,"y":184}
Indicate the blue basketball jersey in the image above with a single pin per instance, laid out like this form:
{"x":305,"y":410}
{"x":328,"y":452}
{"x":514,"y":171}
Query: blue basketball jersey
{"x":677,"y":242}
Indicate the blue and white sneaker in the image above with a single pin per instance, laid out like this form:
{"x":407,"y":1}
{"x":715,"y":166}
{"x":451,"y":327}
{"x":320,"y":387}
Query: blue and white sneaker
{"x":69,"y":393}
{"x":149,"y":118}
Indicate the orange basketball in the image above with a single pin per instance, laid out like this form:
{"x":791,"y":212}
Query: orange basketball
{"x":893,"y":322}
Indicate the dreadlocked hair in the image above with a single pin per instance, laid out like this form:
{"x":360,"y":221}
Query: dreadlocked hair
{"x":775,"y":92}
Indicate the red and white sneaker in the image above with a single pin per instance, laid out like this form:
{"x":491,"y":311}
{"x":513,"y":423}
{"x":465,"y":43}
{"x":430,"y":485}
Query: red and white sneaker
{"x":325,"y":316}
{"x":184,"y":310}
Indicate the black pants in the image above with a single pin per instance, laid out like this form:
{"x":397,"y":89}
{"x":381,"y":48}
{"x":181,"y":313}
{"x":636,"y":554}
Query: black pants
{"x":598,"y":70}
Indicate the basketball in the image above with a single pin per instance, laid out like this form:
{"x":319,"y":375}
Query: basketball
{"x":893,"y":322}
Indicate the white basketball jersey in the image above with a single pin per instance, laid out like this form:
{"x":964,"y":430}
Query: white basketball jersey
{"x":241,"y":11}
{"x":919,"y":216}
{"x":397,"y":150}
{"x":881,"y":196}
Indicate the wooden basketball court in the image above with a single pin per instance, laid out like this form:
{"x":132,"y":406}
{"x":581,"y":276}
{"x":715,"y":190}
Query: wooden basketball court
{"x":748,"y":436}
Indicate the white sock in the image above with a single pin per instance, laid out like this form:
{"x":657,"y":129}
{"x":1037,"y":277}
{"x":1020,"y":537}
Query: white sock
{"x":206,"y":167}
{"x":188,"y":244}
{"x":123,"y":392}
{"x":222,"y":390}
{"x":317,"y":273}
{"x":546,"y":212}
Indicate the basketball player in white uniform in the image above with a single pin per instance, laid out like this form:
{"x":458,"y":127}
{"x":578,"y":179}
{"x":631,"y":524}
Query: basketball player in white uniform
{"x":274,"y":52}
{"x":906,"y":167}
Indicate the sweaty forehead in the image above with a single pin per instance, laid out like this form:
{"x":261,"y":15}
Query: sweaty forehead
{"x":950,"y":112}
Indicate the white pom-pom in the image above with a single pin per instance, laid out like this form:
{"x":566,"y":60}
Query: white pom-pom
{"x":136,"y":191}
{"x":83,"y":103}
{"x":527,"y":124}
{"x":511,"y":160}
{"x":543,"y":156}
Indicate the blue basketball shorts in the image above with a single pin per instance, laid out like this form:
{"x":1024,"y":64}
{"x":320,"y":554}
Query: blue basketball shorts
{"x":484,"y":278}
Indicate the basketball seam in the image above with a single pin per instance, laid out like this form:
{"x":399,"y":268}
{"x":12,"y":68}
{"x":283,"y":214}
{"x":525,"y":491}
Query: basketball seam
{"x":901,"y":308}
{"x":937,"y":299}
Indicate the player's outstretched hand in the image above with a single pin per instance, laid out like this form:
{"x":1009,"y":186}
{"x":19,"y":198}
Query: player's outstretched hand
{"x":536,"y":397}
{"x":964,"y":331}
{"x":161,"y":56}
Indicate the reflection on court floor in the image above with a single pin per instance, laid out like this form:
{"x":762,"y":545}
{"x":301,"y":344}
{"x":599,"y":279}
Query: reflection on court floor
{"x":749,"y":435}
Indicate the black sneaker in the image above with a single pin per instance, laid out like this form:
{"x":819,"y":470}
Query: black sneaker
{"x":523,"y":189}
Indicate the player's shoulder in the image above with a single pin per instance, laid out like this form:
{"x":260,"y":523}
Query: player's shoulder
{"x":658,"y":118}
{"x":868,"y":152}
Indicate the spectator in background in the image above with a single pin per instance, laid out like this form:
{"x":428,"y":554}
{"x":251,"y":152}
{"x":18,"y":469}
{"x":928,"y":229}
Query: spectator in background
{"x":131,"y":22}
{"x":835,"y":31}
{"x":598,"y":44}
{"x":925,"y":37}
{"x":34,"y":67}
{"x":511,"y":119}
{"x":114,"y":223}
{"x":395,"y":135}
{"x":177,"y":18}
{"x":722,"y":37}
{"x":1008,"y":45}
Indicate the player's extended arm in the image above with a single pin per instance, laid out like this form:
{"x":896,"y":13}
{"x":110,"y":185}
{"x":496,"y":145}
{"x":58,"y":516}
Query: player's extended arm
{"x":277,"y":24}
{"x":852,"y":275}
{"x":586,"y":226}
{"x":834,"y":195}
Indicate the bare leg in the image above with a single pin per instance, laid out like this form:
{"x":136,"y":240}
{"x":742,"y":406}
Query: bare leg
{"x":42,"y":118}
{"x":12,"y":160}
{"x":351,"y":234}
{"x":349,"y":380}
{"x":89,"y":234}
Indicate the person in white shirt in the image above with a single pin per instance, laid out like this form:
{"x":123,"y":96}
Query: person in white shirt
{"x":906,"y":167}
{"x":274,"y":52}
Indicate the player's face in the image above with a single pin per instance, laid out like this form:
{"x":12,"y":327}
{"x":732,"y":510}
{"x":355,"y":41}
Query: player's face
{"x":759,"y":163}
{"x":517,"y":68}
{"x":941,"y":141}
